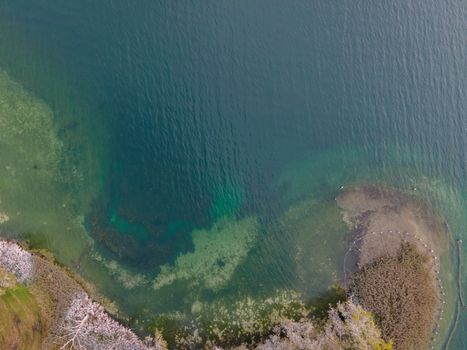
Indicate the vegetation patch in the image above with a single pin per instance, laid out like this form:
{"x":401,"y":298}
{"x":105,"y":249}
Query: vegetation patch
{"x":247,"y":320}
{"x":319,"y":306}
{"x":20,"y":320}
{"x":218,"y":251}
{"x":401,"y":292}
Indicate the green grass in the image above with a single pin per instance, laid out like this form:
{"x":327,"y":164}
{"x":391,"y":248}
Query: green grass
{"x":20,"y":320}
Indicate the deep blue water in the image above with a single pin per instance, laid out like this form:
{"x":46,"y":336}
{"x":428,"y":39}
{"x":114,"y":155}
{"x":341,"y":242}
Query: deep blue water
{"x":205,"y":105}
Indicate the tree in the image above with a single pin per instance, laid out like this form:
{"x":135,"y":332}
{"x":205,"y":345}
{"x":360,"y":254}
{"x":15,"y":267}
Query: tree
{"x":17,"y":261}
{"x":87,"y":326}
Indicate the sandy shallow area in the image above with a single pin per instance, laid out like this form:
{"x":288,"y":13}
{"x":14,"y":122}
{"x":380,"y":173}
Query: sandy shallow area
{"x":382,"y":219}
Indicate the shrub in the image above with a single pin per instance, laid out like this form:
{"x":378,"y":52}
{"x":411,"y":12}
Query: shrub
{"x":401,"y":292}
{"x":349,"y":326}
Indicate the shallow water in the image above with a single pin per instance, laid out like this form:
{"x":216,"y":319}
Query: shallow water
{"x":181,"y":121}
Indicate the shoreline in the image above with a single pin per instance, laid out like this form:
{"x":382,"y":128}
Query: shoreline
{"x":364,"y":209}
{"x":71,"y":310}
{"x":460,"y":304}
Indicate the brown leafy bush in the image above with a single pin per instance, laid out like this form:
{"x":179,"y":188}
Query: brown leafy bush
{"x":401,"y":292}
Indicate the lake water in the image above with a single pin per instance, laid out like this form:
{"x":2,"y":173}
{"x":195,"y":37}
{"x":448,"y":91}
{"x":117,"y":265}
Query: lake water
{"x":179,"y":153}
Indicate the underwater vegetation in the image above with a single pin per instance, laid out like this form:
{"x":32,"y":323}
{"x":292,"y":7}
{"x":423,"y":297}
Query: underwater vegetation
{"x":315,"y":266}
{"x":128,"y":279}
{"x":228,"y":323}
{"x":37,"y":175}
{"x":217,"y":253}
{"x":27,"y":129}
{"x":281,"y":322}
{"x":364,"y":315}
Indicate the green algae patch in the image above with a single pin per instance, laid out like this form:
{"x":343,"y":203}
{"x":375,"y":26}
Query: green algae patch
{"x":217,"y":253}
{"x":20,"y":318}
{"x":127,"y":278}
{"x":27,"y":128}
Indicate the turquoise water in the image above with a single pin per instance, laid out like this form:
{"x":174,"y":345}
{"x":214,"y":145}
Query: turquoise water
{"x":198,"y":147}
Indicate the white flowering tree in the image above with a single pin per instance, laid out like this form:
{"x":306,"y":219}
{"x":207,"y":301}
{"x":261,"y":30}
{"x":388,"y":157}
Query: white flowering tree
{"x":17,"y":261}
{"x":88,"y":327}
